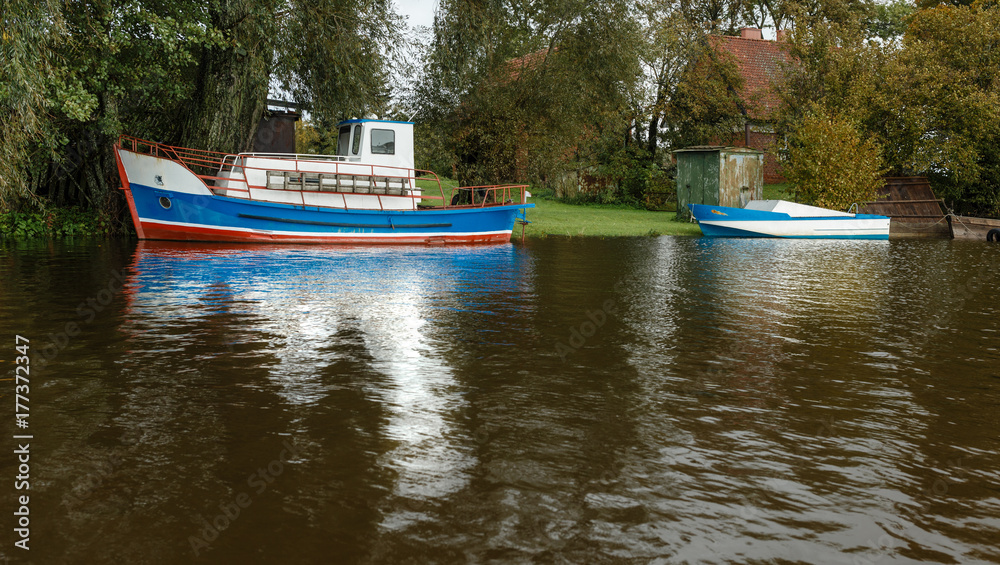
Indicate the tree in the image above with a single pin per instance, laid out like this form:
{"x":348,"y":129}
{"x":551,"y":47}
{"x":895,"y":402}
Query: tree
{"x":78,"y":74}
{"x":672,"y":42}
{"x":335,"y":56}
{"x":936,"y":104}
{"x":27,"y":31}
{"x":715,"y":16}
{"x":523,"y":90}
{"x":831,"y":163}
{"x":889,"y":21}
{"x":232,"y":77}
{"x":705,"y":105}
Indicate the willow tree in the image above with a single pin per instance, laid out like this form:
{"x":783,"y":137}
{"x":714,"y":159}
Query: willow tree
{"x":336,"y":56}
{"x":76,"y":75}
{"x":232,"y":79}
{"x":27,"y":31}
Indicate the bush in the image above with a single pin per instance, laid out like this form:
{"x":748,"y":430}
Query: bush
{"x":829,"y":164}
{"x":55,"y":222}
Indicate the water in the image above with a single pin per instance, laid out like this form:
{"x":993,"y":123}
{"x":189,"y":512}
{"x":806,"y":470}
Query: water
{"x":635,"y":400}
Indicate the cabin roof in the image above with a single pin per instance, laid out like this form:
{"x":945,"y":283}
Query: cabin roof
{"x":369,"y":120}
{"x":709,"y":148}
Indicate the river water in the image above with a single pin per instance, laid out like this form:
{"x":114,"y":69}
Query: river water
{"x":624,"y":400}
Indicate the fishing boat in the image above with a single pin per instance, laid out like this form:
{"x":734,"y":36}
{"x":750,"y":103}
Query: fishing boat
{"x":366,"y":193}
{"x":780,"y":218}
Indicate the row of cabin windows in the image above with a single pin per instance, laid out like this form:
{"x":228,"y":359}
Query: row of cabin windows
{"x":349,"y":143}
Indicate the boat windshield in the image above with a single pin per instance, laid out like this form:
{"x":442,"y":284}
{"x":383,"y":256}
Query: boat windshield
{"x":344,"y":140}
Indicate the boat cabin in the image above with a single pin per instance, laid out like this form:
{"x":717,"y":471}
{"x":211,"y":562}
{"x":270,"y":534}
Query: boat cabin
{"x":378,"y":142}
{"x":372,"y":169}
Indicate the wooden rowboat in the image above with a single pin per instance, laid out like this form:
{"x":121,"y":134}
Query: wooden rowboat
{"x":967,"y":227}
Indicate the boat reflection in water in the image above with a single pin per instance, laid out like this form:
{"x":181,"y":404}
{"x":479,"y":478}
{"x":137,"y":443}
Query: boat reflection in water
{"x":343,"y":350}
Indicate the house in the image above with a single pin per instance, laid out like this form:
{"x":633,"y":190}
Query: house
{"x":760,"y":62}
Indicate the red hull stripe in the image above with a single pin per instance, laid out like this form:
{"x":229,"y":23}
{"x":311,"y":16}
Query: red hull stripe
{"x":157,"y":230}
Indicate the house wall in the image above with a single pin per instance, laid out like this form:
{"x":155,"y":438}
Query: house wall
{"x":762,"y":141}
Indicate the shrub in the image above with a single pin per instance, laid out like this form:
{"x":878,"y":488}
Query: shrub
{"x":830,"y":164}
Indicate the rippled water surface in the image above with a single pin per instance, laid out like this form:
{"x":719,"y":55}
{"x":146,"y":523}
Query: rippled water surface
{"x":635,"y":400}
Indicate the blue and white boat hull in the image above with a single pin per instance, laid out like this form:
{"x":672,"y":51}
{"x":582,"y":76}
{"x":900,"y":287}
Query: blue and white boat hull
{"x":168,"y":201}
{"x":786,"y":219}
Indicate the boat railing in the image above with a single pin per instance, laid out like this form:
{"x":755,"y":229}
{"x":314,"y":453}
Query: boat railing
{"x":242,"y":175}
{"x":298,"y":156}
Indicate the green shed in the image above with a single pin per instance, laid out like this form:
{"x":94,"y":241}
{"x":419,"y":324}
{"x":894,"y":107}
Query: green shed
{"x":721,"y":176}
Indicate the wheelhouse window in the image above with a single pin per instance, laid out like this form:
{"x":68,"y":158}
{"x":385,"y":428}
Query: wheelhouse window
{"x":383,"y":142}
{"x":344,"y":140}
{"x":356,"y":144}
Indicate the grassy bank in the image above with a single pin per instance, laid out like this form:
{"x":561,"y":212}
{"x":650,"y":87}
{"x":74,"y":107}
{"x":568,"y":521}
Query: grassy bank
{"x":551,"y":217}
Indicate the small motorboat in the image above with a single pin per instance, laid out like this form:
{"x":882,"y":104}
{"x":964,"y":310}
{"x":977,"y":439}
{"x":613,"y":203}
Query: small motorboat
{"x":780,"y":218}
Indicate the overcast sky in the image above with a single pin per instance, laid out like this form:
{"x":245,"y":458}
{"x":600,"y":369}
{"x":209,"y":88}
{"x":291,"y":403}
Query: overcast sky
{"x":418,"y":12}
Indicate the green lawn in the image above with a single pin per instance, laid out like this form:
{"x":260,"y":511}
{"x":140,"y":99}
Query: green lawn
{"x":778,"y":192}
{"x":551,"y":217}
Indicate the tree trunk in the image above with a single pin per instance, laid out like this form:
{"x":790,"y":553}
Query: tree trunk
{"x":232,"y":85}
{"x":654,"y":128}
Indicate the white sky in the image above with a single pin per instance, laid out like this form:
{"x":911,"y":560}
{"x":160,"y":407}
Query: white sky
{"x":417,"y":12}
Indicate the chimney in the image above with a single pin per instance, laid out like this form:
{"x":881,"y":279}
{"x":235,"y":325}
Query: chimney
{"x":781,"y":35}
{"x":750,"y":33}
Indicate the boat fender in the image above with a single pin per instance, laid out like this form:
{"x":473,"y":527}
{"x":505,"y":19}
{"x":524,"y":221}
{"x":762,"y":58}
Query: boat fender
{"x":993,"y":235}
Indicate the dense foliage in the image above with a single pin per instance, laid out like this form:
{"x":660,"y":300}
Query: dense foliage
{"x":831,"y":164}
{"x":585,"y":98}
{"x":76,"y":75}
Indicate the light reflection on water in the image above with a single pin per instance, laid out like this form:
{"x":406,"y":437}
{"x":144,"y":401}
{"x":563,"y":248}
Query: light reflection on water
{"x":302,"y":301}
{"x":581,"y":400}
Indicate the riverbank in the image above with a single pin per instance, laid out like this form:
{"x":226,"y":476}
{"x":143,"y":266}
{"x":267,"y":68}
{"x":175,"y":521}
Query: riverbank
{"x":551,"y":217}
{"x":548,"y":217}
{"x":58,"y":221}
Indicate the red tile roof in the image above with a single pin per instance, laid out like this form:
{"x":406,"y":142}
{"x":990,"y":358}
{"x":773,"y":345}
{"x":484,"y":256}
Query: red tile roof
{"x":760,"y":63}
{"x":528,"y":62}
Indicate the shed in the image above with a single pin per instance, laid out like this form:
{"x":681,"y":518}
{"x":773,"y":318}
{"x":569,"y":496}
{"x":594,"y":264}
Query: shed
{"x":719,"y":176}
{"x":276,"y":133}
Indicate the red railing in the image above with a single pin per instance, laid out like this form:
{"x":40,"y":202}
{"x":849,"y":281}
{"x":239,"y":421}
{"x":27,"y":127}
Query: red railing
{"x":230,"y":169}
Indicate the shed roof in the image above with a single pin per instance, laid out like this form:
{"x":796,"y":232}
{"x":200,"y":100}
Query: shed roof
{"x":726,"y":148}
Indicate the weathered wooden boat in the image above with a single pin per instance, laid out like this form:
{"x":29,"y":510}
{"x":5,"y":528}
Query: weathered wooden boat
{"x":914,"y":210}
{"x":967,"y":227}
{"x":366,"y":193}
{"x":780,"y":218}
